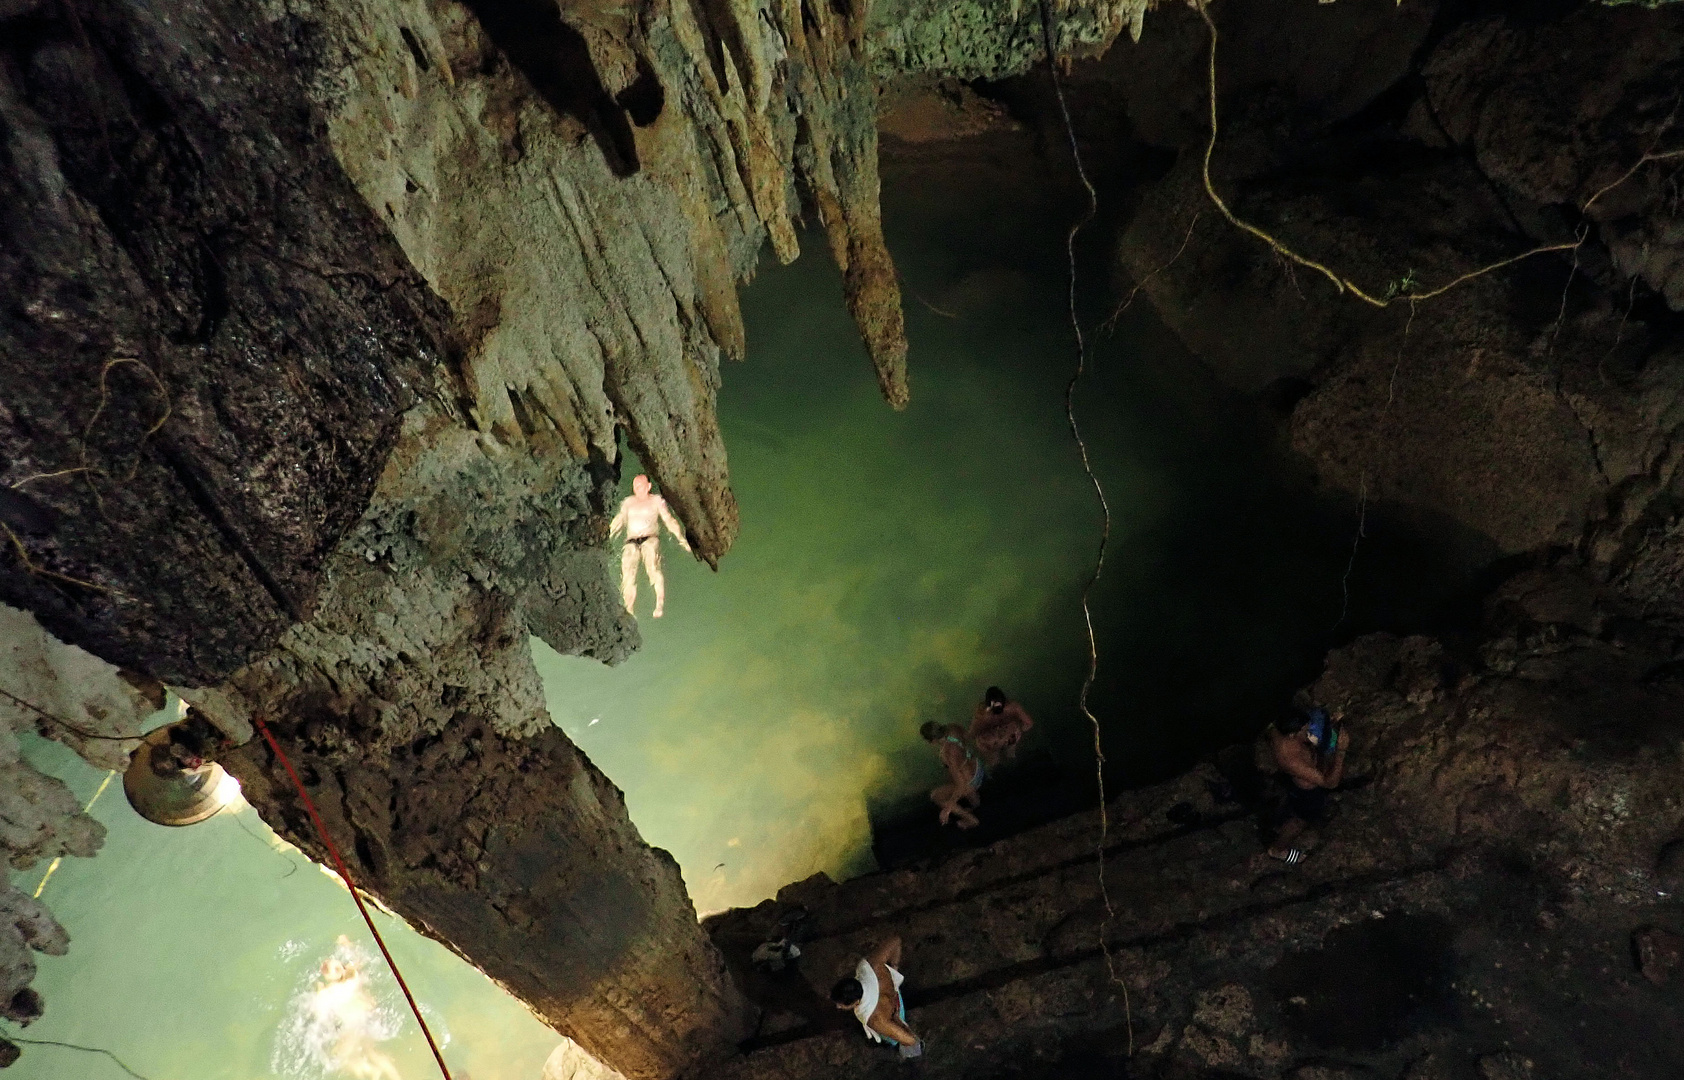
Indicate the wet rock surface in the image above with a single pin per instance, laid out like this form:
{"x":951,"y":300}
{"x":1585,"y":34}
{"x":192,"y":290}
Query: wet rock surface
{"x":1467,"y":912}
{"x":208,"y":340}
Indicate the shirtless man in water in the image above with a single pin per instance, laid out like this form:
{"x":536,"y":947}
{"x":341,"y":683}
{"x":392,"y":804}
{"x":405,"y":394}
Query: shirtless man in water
{"x":873,"y":996}
{"x":998,"y":725}
{"x":343,"y":1011}
{"x":641,"y":516}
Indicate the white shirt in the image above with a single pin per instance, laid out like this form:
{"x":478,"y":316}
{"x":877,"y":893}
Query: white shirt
{"x":867,"y":1004}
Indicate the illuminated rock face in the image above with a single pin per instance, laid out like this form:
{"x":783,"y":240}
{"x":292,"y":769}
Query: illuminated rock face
{"x":209,"y":339}
{"x":586,"y":185}
{"x":518,"y":854}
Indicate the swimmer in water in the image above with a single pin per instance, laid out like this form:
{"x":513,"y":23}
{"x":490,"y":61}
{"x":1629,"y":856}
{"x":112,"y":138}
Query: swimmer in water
{"x":347,"y":1013}
{"x":641,"y":516}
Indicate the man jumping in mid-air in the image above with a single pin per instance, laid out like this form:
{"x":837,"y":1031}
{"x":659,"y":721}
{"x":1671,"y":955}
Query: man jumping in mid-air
{"x":641,"y":515}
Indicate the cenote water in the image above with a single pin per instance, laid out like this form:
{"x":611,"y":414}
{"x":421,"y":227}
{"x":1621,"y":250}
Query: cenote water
{"x":890,"y":567}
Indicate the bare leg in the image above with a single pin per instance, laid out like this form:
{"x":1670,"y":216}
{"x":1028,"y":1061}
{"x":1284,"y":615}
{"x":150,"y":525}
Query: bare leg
{"x":657,"y":580}
{"x":1283,"y":839}
{"x":947,"y":797}
{"x":628,"y":575}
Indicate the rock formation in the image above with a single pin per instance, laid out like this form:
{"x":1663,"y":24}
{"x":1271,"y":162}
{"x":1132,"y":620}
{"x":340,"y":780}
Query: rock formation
{"x":1532,"y":406}
{"x":57,"y":690}
{"x":358,"y":501}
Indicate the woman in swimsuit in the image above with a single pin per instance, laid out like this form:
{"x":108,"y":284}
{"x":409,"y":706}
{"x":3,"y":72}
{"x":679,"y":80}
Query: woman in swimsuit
{"x":964,"y":768}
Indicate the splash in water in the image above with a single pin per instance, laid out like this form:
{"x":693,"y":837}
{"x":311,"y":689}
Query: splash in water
{"x":335,"y":1023}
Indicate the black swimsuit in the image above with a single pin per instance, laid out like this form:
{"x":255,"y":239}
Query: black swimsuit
{"x":639,"y":540}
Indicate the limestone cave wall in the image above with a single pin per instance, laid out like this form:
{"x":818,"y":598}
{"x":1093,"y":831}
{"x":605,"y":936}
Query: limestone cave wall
{"x":1532,"y":407}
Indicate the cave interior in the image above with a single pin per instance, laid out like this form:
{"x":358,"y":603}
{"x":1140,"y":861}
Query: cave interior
{"x":334,"y":332}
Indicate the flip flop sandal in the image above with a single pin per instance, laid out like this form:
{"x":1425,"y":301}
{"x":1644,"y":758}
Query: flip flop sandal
{"x":1293,"y":856}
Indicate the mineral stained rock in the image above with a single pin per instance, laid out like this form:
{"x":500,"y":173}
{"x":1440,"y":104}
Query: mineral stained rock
{"x":208,"y":340}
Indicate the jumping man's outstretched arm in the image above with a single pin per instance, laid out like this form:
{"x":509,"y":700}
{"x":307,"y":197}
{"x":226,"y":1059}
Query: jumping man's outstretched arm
{"x":619,"y":521}
{"x":673,"y":526}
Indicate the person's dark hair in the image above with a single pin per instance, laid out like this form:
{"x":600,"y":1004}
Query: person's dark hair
{"x":1291,"y":723}
{"x":931,"y":731}
{"x":196,"y":735}
{"x":847,"y":992}
{"x":994,"y":698}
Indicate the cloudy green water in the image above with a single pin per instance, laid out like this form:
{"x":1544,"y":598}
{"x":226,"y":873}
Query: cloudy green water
{"x":890,"y":566}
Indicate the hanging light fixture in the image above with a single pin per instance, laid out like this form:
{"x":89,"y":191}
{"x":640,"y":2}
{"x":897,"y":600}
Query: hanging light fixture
{"x":169,"y":780}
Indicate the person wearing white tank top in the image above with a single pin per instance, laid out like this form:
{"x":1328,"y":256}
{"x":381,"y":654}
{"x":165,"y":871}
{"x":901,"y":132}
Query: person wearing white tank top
{"x":873,"y":996}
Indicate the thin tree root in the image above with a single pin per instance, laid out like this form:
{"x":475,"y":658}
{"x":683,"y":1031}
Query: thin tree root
{"x":1105,"y":510}
{"x":1110,"y":323}
{"x":1345,"y":285}
{"x":41,"y":571}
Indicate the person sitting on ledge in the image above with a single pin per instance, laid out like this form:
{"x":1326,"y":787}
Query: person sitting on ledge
{"x":998,"y":725}
{"x":1310,"y":753}
{"x":873,"y":996}
{"x":964,"y":769}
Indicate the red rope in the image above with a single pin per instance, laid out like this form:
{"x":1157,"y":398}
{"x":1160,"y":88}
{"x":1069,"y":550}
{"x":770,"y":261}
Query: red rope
{"x":345,"y":873}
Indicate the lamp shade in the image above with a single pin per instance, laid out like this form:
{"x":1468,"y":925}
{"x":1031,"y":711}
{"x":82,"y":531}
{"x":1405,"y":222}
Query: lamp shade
{"x":161,"y":790}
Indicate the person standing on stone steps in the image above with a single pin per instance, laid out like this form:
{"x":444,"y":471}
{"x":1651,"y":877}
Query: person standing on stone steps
{"x":641,"y":515}
{"x":1309,"y":750}
{"x":873,"y":996}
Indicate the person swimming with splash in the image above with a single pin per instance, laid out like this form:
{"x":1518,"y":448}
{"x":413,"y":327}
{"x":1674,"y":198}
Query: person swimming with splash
{"x":964,"y":770}
{"x":345,"y":1021}
{"x":998,"y":725}
{"x":641,"y":515}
